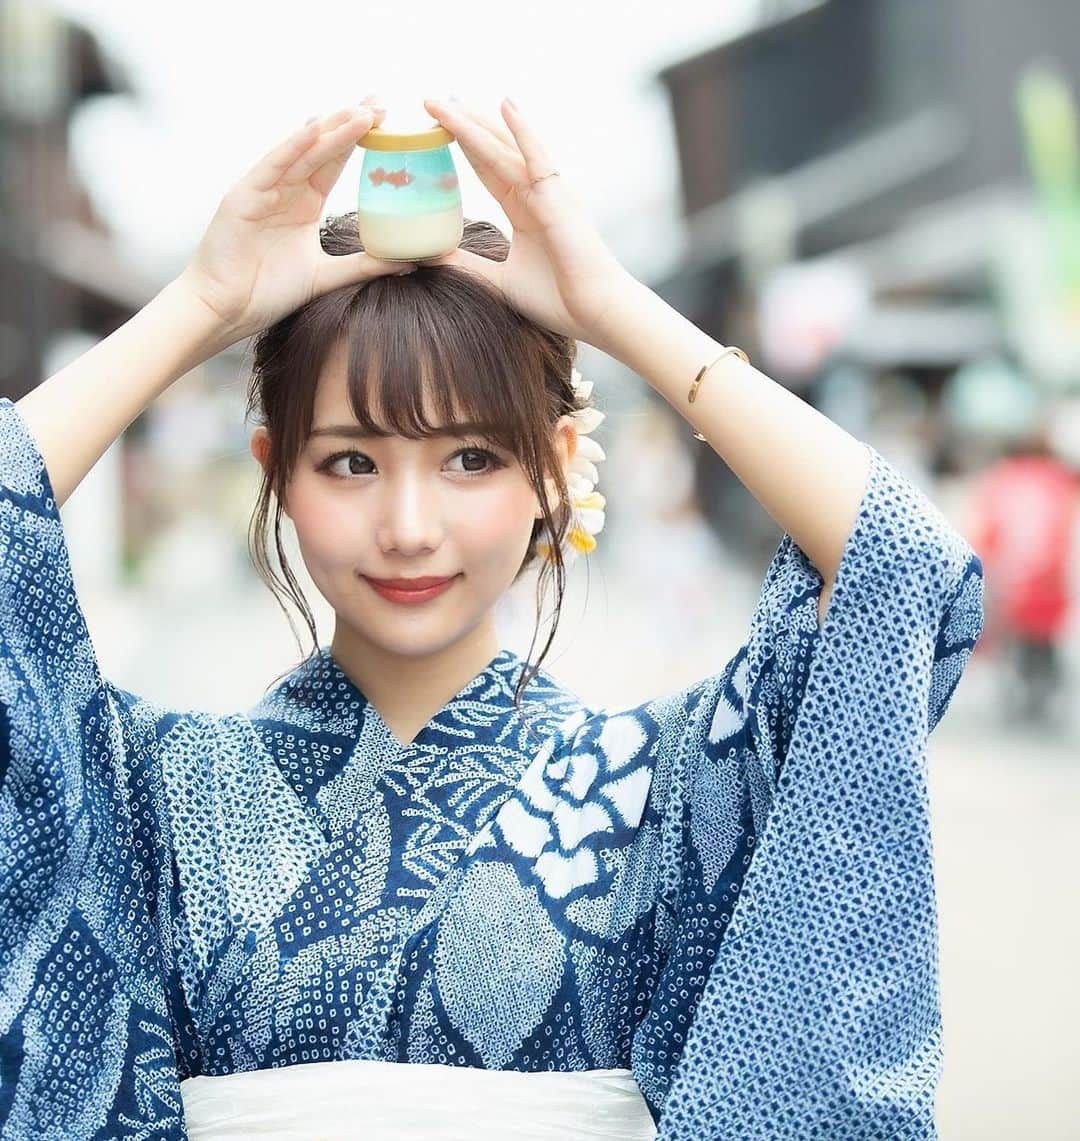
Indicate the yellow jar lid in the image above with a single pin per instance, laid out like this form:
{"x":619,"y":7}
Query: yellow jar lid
{"x":380,"y":140}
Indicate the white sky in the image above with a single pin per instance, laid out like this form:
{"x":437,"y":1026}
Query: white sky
{"x":218,"y":83}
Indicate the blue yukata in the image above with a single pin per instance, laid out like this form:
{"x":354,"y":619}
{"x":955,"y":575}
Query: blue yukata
{"x":727,"y":889}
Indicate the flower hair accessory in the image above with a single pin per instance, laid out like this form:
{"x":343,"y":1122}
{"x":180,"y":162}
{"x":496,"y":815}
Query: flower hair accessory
{"x":586,"y":503}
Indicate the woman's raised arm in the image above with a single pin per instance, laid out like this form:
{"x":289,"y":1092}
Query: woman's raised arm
{"x":805,"y":470}
{"x":259,"y":260}
{"x":79,"y":411}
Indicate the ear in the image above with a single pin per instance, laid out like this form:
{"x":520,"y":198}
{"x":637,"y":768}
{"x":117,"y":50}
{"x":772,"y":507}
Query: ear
{"x":566,"y":441}
{"x":260,"y":449}
{"x":260,"y":445}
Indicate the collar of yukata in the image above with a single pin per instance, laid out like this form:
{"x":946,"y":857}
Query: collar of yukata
{"x":586,"y":503}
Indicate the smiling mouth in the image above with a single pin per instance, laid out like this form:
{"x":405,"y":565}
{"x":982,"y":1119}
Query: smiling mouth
{"x":411,"y":590}
{"x":420,"y":583}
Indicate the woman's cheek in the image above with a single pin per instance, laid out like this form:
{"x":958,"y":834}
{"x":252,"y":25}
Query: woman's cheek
{"x":500,"y":522}
{"x":321,"y":519}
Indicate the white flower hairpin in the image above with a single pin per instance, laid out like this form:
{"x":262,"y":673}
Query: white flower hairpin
{"x":586,"y":503}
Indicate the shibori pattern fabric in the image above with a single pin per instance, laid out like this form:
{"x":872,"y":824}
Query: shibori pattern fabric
{"x":727,"y":889}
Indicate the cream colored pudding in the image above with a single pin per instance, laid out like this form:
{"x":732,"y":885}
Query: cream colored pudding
{"x":403,"y":237}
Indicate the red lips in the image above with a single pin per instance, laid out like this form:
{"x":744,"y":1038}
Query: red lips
{"x":410,"y":583}
{"x":411,"y":591}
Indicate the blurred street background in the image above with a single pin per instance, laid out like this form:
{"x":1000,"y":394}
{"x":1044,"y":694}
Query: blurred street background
{"x":878,"y":199}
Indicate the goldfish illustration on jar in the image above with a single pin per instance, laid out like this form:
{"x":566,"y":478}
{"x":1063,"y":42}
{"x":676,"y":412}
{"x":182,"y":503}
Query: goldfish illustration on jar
{"x":394,"y":177}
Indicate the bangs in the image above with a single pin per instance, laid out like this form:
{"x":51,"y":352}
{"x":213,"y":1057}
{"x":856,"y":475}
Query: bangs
{"x":426,"y":360}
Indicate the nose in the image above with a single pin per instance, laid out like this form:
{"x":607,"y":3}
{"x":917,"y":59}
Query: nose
{"x":410,"y":515}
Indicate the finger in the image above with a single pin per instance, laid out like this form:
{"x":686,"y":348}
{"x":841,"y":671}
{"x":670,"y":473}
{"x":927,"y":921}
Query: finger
{"x":475,"y":263}
{"x":273,"y":167}
{"x":333,"y":272}
{"x":486,"y":268}
{"x":269,"y":169}
{"x":324,"y":177}
{"x":537,"y":160}
{"x":340,"y":134}
{"x":500,"y":168}
{"x":495,"y":126}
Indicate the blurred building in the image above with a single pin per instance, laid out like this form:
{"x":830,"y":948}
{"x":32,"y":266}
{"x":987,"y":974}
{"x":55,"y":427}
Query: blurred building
{"x":66,"y":283}
{"x":858,"y":194}
{"x":59,"y":272}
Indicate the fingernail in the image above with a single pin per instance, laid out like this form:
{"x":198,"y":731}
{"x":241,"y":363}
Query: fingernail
{"x":308,"y":122}
{"x":511,"y":104}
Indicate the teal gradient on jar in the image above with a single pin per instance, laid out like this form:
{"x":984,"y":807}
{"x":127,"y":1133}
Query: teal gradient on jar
{"x":405,"y":183}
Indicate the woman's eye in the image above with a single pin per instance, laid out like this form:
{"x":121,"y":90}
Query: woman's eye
{"x":477,"y":460}
{"x":350,"y":469}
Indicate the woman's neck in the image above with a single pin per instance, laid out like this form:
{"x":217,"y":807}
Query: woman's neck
{"x":407,"y":691}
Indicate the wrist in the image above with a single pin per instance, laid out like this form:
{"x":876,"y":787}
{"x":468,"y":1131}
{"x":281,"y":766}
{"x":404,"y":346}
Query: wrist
{"x":626,"y":301}
{"x":655,"y":341}
{"x":212,"y":332}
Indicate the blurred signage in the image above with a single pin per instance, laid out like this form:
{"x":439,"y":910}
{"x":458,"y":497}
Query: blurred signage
{"x":1047,"y":111}
{"x":1038,"y":258}
{"x":805,"y":309}
{"x":32,"y":79}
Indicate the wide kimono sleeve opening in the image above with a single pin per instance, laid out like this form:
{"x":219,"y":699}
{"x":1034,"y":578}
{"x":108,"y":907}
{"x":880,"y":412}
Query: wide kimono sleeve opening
{"x":87,"y":1041}
{"x":794,"y":921}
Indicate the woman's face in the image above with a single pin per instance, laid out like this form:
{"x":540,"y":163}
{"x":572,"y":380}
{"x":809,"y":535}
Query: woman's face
{"x":391,"y":507}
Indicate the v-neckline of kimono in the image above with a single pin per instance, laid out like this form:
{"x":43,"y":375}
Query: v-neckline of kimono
{"x":436,"y":720}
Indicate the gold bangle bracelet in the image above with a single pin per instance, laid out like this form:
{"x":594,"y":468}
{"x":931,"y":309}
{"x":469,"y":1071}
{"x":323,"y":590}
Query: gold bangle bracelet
{"x":691,"y":396}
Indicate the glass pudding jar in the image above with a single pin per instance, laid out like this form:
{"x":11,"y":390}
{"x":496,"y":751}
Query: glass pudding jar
{"x":409,"y":204}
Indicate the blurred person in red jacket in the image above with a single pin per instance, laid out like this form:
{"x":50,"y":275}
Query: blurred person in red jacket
{"x":1025,"y":508}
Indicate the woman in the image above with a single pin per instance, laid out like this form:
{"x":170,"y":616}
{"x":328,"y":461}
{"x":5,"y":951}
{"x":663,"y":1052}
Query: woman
{"x":708,"y":915}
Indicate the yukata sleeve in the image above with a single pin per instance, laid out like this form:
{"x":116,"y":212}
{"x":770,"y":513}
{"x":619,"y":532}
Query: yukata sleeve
{"x":87,"y":1046}
{"x":794,"y":920}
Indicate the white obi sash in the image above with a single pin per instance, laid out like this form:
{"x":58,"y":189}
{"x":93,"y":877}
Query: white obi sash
{"x":397,"y":1101}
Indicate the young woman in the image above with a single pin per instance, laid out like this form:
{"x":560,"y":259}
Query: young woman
{"x":707,"y":915}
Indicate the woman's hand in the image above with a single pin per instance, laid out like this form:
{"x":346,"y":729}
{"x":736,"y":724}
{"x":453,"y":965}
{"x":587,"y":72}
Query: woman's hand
{"x":559,"y":272}
{"x":260,"y":258}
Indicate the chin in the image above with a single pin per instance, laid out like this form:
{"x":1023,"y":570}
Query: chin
{"x":410,"y":635}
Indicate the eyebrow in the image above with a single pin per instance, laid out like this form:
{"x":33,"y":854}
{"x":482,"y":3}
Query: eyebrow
{"x":356,"y":432}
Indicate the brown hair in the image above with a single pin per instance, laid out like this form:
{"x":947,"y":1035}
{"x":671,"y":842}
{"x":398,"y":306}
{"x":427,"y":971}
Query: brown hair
{"x":441,"y":327}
